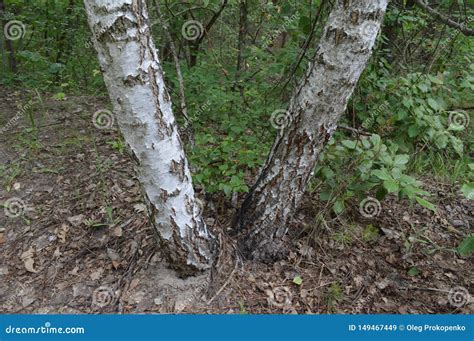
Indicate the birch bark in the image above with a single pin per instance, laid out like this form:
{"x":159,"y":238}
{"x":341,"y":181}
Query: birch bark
{"x":134,"y":79}
{"x":313,"y":112}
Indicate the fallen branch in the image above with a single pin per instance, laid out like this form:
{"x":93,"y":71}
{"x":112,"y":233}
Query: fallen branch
{"x":444,"y":19}
{"x":184,"y":109}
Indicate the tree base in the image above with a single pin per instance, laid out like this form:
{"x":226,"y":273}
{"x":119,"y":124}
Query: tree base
{"x":266,"y":251}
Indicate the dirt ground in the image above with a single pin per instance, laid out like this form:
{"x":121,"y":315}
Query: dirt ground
{"x":80,"y":240}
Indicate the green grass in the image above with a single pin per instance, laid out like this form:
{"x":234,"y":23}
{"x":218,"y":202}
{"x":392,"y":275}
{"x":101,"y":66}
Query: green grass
{"x":443,"y":167}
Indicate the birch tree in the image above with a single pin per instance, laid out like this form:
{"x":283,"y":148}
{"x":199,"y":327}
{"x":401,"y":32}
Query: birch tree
{"x":314,"y":110}
{"x":134,"y":79}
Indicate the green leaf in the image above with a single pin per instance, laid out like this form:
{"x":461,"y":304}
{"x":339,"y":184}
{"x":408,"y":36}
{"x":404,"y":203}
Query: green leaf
{"x":407,"y":102}
{"x":441,"y":141}
{"x":435,"y":80}
{"x":423,"y":87}
{"x":305,"y":24}
{"x":349,"y":144}
{"x":433,"y":104}
{"x":338,"y":206}
{"x":391,"y":186}
{"x":324,"y":196}
{"x":401,"y":159}
{"x":466,"y":248}
{"x":382,"y":174}
{"x":413,"y":271}
{"x":375,"y":139}
{"x":298,"y":280}
{"x":426,"y":203}
{"x":413,"y":130}
{"x":468,"y":190}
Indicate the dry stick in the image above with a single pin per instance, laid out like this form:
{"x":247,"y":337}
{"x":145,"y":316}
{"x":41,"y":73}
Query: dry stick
{"x":354,"y":130}
{"x":241,"y":43}
{"x":194,"y":47}
{"x":8,"y":42}
{"x":305,"y":47}
{"x":224,"y":285}
{"x":4,"y":56}
{"x":184,"y":109}
{"x":461,"y":27}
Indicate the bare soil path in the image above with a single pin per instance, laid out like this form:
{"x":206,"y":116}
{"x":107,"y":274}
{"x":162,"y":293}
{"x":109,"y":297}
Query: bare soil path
{"x":79,"y":240}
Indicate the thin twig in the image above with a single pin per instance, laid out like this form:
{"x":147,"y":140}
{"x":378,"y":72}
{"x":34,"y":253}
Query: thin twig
{"x":444,"y":19}
{"x":184,"y":109}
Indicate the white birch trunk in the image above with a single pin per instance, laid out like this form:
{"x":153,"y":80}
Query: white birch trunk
{"x":314,"y":110}
{"x":134,"y":79}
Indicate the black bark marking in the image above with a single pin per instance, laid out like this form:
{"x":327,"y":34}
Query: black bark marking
{"x":164,"y":195}
{"x":355,"y":17}
{"x":132,"y":81}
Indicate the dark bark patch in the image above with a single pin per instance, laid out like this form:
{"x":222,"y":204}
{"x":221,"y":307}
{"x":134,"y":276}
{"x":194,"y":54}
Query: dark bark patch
{"x":131,"y":81}
{"x":355,"y":17}
{"x":164,"y":195}
{"x":177,"y":168}
{"x":375,"y":15}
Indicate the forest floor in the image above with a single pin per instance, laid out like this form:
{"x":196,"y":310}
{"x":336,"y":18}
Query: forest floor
{"x":83,"y":243}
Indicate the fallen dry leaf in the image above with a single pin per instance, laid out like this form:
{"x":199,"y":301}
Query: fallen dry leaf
{"x":28,"y":260}
{"x":97,"y":274}
{"x":117,"y":231}
{"x":139,"y":208}
{"x":62,"y":233}
{"x":76,"y":220}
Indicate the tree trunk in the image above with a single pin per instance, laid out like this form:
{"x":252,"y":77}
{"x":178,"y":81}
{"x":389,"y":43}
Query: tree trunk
{"x":8,"y":43}
{"x":314,"y":110}
{"x":64,"y":44}
{"x":243,"y":24}
{"x":134,"y":79}
{"x":196,"y":43}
